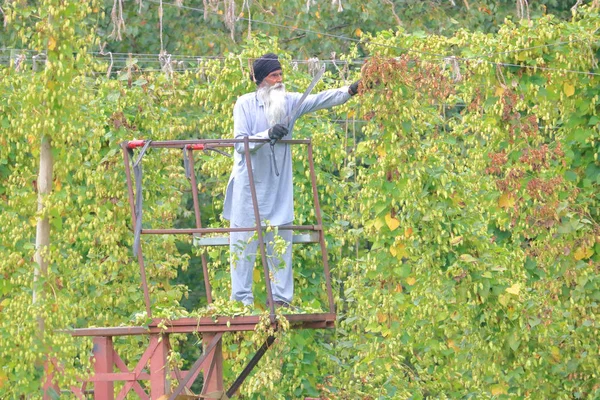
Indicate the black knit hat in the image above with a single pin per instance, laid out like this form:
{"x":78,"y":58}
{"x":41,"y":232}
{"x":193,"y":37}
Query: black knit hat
{"x":264,"y":65}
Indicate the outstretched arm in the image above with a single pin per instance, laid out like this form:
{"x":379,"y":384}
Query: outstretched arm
{"x":325,"y":99}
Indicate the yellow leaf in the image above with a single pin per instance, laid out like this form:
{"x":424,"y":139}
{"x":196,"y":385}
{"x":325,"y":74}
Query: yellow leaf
{"x":381,"y":151}
{"x":378,"y":223}
{"x":381,"y":318}
{"x":499,"y":91}
{"x":499,"y":389}
{"x":358,"y":32}
{"x":51,"y":44}
{"x":506,"y":201}
{"x":391,"y":222}
{"x":452,"y":345}
{"x":569,"y":89}
{"x":467,"y":258}
{"x":514,"y":289}
{"x":411,"y":281}
{"x":456,"y":240}
{"x":503,"y":299}
{"x":408,"y":232}
{"x":398,"y":251}
{"x":583,"y":253}
{"x":318,"y":15}
{"x":256,"y":275}
{"x":555,"y":351}
{"x":3,"y":379}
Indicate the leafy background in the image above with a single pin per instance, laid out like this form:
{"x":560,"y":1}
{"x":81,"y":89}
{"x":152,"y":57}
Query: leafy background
{"x":459,"y":190}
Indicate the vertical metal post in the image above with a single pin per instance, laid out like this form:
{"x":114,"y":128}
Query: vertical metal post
{"x":213,"y":375}
{"x":129,"y":181}
{"x":133,"y":220}
{"x":49,"y":387}
{"x":194,"y":184}
{"x":261,"y":242}
{"x":103,"y":364}
{"x":158,"y":365}
{"x":313,"y":178}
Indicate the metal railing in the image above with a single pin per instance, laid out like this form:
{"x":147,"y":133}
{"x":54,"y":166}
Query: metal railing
{"x":135,"y":188}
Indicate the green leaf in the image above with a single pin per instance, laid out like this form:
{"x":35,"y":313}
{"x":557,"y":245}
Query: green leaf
{"x":571,"y":176}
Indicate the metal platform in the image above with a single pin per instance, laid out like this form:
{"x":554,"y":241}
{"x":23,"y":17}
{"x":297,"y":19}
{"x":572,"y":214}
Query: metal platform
{"x":209,"y":324}
{"x":152,"y":365}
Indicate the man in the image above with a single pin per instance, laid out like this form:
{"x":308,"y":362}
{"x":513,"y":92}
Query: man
{"x":262,"y":115}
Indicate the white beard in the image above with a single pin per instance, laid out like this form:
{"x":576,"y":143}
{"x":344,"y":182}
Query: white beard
{"x":274,"y":99}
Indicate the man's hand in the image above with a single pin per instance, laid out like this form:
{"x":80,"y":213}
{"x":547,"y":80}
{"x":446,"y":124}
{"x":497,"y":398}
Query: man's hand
{"x":353,"y":89}
{"x":277,"y":132}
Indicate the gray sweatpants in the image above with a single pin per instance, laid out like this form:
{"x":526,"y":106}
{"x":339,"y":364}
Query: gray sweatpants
{"x":282,"y":278}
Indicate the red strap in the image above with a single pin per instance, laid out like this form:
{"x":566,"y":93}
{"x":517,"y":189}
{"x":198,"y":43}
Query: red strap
{"x":132,"y":144}
{"x":197,"y":146}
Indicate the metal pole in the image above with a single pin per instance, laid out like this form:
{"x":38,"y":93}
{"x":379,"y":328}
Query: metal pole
{"x":140,"y":257}
{"x":240,"y":379}
{"x":261,"y":242}
{"x":313,"y":179}
{"x":189,"y":231}
{"x":129,"y":182}
{"x":199,"y":223}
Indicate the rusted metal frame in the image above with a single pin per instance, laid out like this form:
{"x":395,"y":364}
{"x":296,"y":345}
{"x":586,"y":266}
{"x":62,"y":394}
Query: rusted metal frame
{"x":224,"y":322}
{"x":140,"y":256}
{"x":126,"y":376}
{"x":253,"y":362}
{"x":180,"y":144}
{"x":194,"y":184}
{"x":50,"y":365}
{"x":103,"y":363}
{"x":79,"y":392}
{"x":313,"y":178}
{"x":188,"y":231}
{"x":158,"y":366}
{"x":213,"y":375}
{"x":202,"y":325}
{"x":177,"y":372}
{"x":199,"y":362}
{"x":261,"y":242}
{"x":152,"y":346}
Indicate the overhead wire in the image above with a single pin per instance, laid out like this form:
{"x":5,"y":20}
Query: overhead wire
{"x":154,"y":58}
{"x":294,"y":28}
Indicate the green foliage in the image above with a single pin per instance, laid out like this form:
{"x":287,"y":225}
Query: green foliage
{"x":461,"y":211}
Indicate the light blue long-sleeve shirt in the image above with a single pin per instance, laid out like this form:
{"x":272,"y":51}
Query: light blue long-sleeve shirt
{"x":274,"y":193}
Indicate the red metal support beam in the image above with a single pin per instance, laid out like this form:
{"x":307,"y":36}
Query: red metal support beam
{"x":190,"y":155}
{"x":213,"y":375}
{"x":158,"y":365}
{"x":313,"y":179}
{"x":197,"y":365}
{"x":259,"y":231}
{"x":103,"y":364}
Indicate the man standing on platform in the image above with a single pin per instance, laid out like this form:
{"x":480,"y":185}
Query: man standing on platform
{"x":262,"y":115}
